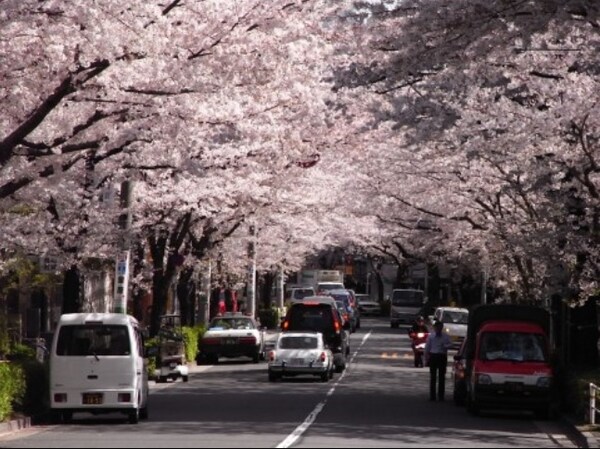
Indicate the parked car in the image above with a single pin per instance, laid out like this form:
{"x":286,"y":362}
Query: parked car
{"x":455,"y":323}
{"x":367,"y":306}
{"x":232,"y":335}
{"x":298,"y":353}
{"x":320,"y":314}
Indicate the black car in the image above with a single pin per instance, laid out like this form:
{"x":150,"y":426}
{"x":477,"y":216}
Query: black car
{"x":320,"y":314}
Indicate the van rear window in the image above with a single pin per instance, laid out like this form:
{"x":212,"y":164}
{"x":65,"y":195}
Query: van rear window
{"x":317,"y":317}
{"x":95,"y":340}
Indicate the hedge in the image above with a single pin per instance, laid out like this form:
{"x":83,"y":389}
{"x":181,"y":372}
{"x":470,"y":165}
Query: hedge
{"x":12,"y":388}
{"x":191,"y":338}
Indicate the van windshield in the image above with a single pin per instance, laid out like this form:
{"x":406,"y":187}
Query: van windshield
{"x":513,"y":347}
{"x":93,"y":340}
{"x":407,"y":298}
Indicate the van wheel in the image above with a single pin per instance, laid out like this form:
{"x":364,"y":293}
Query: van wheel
{"x":67,"y":417}
{"x":134,"y":416}
{"x":144,"y":413}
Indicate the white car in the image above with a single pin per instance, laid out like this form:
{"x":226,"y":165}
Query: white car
{"x":300,"y":353}
{"x":367,"y":306}
{"x":455,"y":321}
{"x":232,"y":335}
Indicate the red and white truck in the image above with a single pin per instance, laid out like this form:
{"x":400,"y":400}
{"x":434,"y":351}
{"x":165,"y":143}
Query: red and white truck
{"x":508,"y":353}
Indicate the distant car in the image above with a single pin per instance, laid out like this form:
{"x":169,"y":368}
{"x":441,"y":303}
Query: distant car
{"x":323,"y":288}
{"x":455,"y":323}
{"x":320,"y":314}
{"x":367,"y":306}
{"x":300,"y":292}
{"x":299,"y":353}
{"x":232,"y":335}
{"x":344,"y":300}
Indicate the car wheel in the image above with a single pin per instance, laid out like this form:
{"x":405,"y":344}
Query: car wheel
{"x":162,"y":379}
{"x":394,"y":325}
{"x":134,"y":416}
{"x":256,"y":358}
{"x":185,"y":378}
{"x":325,"y":377}
{"x":273,"y":377}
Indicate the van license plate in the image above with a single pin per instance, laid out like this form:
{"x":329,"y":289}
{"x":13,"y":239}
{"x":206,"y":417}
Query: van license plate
{"x":93,"y":398}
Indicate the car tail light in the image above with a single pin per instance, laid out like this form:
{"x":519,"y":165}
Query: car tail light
{"x":272,"y":356}
{"x":286,"y":325}
{"x":420,"y":335}
{"x":124,"y":397}
{"x":323,"y":357}
{"x":248,"y":340}
{"x":60,"y":397}
{"x":210,"y":341}
{"x":337,"y":326}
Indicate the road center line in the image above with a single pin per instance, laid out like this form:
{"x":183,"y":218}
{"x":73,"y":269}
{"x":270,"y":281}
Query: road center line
{"x":310,"y":419}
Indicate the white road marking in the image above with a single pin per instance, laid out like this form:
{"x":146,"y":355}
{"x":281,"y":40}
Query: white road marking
{"x":310,"y":419}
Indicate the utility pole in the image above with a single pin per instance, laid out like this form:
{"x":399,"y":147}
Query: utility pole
{"x":251,"y":285}
{"x":281,"y":287}
{"x":484,"y":276}
{"x":123,"y":257}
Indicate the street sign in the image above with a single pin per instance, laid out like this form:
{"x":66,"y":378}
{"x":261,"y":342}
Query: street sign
{"x":121,"y":282}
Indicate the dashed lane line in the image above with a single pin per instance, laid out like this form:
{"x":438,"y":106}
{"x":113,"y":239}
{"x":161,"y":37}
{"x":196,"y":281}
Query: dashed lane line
{"x":310,"y":419}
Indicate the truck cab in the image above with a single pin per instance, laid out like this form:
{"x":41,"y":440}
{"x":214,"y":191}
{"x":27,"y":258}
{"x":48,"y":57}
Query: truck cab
{"x":508,"y":360}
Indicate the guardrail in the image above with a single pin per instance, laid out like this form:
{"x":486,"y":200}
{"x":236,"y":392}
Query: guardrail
{"x":594,"y":389}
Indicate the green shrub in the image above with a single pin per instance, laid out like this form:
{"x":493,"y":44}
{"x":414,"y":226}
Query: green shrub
{"x":270,"y":318}
{"x":35,"y":401}
{"x":12,"y":388}
{"x":22,"y":352}
{"x":151,"y":345}
{"x":191,"y":338}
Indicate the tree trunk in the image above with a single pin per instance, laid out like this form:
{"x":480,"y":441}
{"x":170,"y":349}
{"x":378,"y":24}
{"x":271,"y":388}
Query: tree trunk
{"x":72,"y":291}
{"x":186,"y":293}
{"x":267,"y":288}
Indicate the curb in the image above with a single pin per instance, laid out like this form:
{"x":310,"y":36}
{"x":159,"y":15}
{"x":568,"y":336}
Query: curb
{"x":584,"y":437}
{"x":15,"y":425}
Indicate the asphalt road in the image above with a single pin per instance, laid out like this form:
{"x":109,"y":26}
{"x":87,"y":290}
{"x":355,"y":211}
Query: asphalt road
{"x":380,"y":401}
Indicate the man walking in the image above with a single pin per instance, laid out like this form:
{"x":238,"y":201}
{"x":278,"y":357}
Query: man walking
{"x":436,"y":356}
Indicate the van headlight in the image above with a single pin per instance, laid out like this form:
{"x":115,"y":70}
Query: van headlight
{"x":544,"y":382}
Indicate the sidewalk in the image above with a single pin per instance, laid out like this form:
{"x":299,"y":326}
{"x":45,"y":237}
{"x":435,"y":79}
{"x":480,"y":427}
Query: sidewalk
{"x":14,"y":425}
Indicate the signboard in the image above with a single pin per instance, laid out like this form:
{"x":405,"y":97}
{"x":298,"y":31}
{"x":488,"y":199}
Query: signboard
{"x":121,"y":282}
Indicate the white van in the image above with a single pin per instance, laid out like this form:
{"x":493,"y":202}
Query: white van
{"x":97,"y":365}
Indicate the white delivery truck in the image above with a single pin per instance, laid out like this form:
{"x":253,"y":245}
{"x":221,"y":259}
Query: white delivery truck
{"x":406,"y":306}
{"x":97,"y":365}
{"x":321,"y":280}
